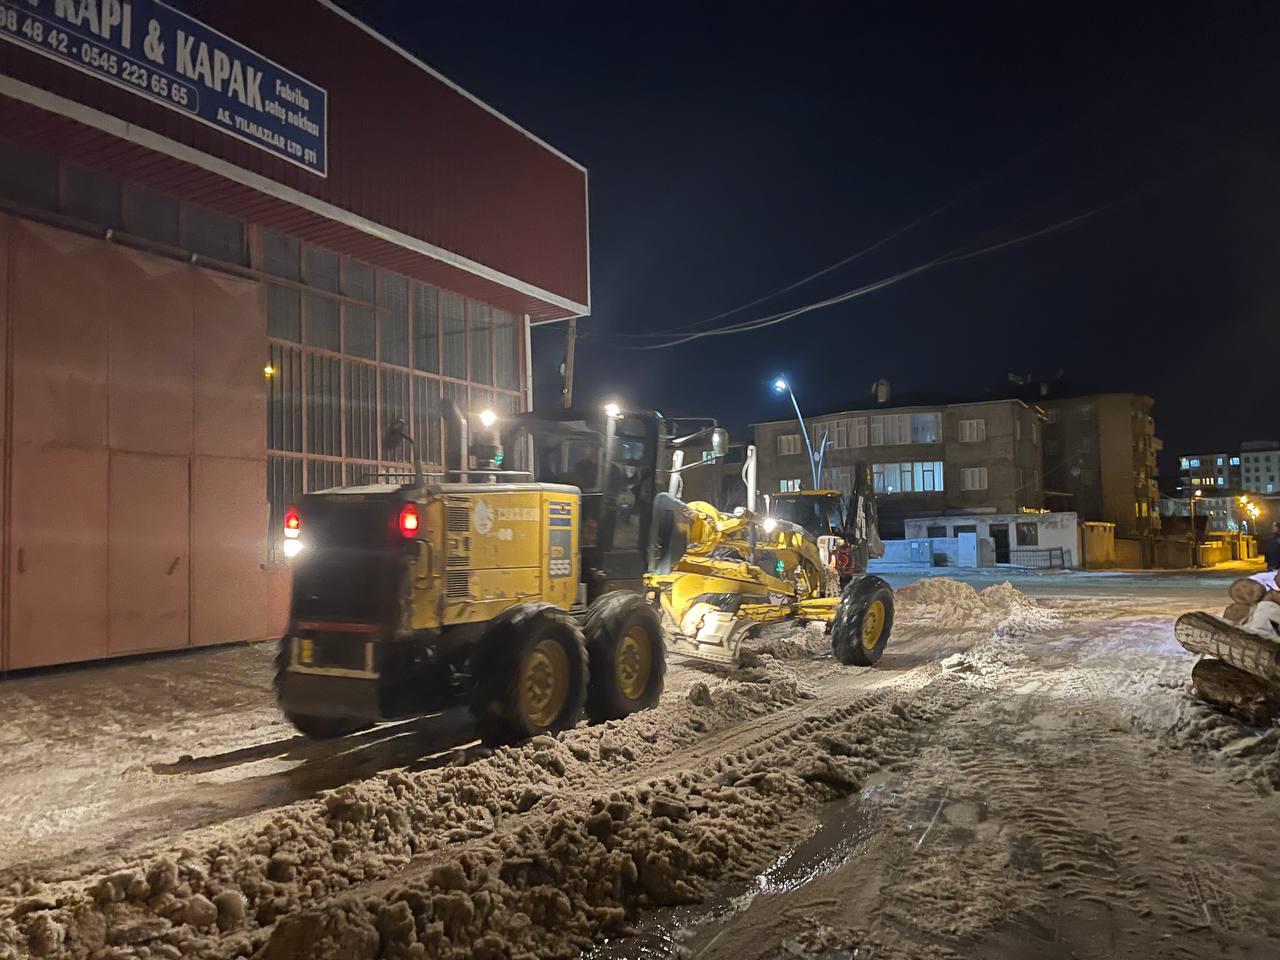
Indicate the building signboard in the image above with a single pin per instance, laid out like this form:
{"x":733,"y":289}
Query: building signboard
{"x":158,"y":52}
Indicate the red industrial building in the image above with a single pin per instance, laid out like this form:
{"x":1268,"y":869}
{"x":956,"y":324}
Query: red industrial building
{"x":236,"y":239}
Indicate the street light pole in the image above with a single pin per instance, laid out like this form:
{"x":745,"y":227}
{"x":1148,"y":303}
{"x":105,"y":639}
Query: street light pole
{"x":780,"y":384}
{"x":1195,"y":535}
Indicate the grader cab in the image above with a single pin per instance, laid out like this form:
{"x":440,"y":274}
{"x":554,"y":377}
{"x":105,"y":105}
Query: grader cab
{"x":532,"y":579}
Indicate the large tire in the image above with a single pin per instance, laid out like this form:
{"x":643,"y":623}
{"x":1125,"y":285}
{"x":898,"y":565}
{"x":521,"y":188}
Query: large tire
{"x":863,"y":621}
{"x":529,"y":673}
{"x":317,"y":728}
{"x":627,"y":656}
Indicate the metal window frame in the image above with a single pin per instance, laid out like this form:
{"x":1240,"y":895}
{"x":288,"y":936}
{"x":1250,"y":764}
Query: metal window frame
{"x":348,"y":465}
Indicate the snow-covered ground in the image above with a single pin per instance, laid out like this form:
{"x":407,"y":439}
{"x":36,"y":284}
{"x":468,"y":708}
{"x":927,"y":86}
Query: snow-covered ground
{"x":1022,"y":775}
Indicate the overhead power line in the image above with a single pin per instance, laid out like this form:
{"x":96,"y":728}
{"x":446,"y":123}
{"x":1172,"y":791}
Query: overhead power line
{"x":948,"y":258}
{"x":964,"y":194}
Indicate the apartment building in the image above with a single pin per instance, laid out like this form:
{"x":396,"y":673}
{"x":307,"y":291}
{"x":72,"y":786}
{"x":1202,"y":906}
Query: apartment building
{"x":1100,"y":460}
{"x":1222,"y":471}
{"x":927,"y":460}
{"x":1260,"y":466}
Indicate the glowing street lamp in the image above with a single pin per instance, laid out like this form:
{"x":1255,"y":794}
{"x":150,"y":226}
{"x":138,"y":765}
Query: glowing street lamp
{"x":780,"y":386}
{"x":488,"y":418}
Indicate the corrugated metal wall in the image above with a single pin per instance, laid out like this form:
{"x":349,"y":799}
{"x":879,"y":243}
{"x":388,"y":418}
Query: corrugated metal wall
{"x":136,"y":513}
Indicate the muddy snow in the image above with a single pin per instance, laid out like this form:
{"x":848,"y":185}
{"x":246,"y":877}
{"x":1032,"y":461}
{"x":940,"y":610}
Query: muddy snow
{"x":1017,"y":777}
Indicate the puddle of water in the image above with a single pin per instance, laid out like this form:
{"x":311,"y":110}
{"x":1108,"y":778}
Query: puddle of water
{"x":683,"y":933}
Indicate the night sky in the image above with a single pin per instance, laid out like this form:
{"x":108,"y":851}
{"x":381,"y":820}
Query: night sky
{"x":734,"y":148}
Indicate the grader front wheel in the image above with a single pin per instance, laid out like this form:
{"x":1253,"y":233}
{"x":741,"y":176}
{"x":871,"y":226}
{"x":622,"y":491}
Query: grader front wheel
{"x":628,"y":659}
{"x":530,"y":670}
{"x":863,"y":622}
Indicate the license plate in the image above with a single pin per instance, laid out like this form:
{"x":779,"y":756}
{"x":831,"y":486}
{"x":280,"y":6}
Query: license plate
{"x":306,"y":651}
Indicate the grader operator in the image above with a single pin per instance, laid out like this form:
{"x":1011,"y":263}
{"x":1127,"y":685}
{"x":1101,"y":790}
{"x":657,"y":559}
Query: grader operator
{"x":519,"y":591}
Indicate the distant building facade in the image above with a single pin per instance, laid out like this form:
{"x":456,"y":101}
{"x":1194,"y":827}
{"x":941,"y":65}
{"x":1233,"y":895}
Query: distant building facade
{"x":1038,"y":540}
{"x":1215,"y":512}
{"x":1100,"y":460}
{"x":1260,"y":466}
{"x":927,"y":461}
{"x":1221,"y":471}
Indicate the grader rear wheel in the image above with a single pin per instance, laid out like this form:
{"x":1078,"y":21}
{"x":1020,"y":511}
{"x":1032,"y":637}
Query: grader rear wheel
{"x":863,"y":622}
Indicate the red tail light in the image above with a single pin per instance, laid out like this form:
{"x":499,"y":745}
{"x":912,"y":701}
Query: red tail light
{"x":292,"y":522}
{"x":409,"y":521}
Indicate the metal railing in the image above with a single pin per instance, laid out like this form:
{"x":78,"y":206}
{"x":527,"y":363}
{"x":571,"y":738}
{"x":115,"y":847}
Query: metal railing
{"x":1038,"y":558}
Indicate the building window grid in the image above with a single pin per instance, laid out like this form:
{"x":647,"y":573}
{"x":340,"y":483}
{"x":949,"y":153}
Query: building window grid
{"x":925,"y":476}
{"x":290,"y":440}
{"x":789,"y":444}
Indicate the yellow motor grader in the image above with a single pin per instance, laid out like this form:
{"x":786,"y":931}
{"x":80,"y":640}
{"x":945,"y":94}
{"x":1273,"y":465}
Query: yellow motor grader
{"x":719,"y":576}
{"x":532,"y":578}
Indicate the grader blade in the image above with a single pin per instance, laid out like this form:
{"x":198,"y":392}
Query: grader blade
{"x":708,"y":633}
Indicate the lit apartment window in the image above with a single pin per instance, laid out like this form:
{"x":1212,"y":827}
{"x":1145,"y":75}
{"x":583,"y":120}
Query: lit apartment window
{"x":788,"y":486}
{"x":928,"y":475}
{"x":973,"y":478}
{"x":973,"y":431}
{"x":788,"y":444}
{"x":1195,"y":462}
{"x":1220,"y":461}
{"x":1184,"y":463}
{"x":926,"y":427}
{"x":1235,"y":461}
{"x":922,"y":477}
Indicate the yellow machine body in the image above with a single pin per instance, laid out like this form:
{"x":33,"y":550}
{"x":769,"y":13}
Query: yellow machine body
{"x":739,"y":570}
{"x":488,"y":547}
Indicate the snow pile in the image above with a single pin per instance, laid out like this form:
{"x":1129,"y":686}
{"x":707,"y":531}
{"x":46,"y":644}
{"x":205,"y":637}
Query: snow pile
{"x":943,"y":604}
{"x":533,"y":850}
{"x":791,"y":640}
{"x":1251,"y":753}
{"x":234,"y":882}
{"x":589,"y":868}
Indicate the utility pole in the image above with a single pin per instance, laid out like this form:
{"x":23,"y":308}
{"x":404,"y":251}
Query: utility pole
{"x":568,"y":362}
